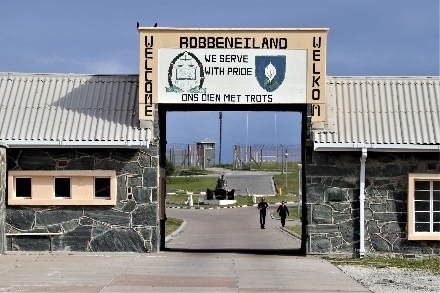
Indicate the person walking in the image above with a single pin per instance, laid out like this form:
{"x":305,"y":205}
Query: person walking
{"x":283,"y":211}
{"x":263,"y":206}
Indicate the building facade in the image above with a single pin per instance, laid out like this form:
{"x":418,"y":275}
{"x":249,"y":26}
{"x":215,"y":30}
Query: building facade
{"x":373,"y":173}
{"x":77,"y":171}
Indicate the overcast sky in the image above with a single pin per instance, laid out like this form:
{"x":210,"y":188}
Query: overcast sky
{"x":366,"y":38}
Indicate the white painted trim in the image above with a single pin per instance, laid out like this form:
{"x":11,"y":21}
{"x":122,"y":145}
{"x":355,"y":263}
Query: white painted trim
{"x":325,"y":146}
{"x":75,"y":144}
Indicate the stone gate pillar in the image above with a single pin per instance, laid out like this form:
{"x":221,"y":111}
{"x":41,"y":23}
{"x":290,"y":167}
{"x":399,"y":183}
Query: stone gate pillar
{"x":2,"y":199}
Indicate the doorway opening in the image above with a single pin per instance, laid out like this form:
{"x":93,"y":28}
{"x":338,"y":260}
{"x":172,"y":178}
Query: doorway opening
{"x":233,"y":160}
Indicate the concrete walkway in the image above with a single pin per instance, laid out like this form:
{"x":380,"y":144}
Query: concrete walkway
{"x":170,"y":272}
{"x":221,"y":250}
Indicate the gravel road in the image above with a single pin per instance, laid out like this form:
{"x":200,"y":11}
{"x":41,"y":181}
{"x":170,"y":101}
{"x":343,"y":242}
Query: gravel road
{"x":393,"y":280}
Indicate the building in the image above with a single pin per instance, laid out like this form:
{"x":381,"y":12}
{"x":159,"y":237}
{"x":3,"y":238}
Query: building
{"x":205,"y":153}
{"x":371,"y":171}
{"x":77,"y":171}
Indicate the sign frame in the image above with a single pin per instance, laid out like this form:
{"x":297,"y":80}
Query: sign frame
{"x":153,"y":39}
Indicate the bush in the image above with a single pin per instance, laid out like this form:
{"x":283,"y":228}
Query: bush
{"x":224,"y":166}
{"x":169,"y":168}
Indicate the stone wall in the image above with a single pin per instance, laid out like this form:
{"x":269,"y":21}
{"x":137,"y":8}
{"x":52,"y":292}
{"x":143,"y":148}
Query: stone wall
{"x":2,"y":199}
{"x":131,"y":225}
{"x":332,"y":202}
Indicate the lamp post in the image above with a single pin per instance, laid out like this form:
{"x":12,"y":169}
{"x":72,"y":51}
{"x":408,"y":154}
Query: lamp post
{"x":220,"y":116}
{"x":286,"y":155}
{"x":282,"y":163}
{"x":299,"y":186}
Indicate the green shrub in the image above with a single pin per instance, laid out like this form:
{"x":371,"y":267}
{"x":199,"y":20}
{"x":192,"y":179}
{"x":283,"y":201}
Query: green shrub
{"x":169,"y":168}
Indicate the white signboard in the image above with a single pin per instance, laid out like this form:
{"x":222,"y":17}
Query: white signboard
{"x":232,"y":76}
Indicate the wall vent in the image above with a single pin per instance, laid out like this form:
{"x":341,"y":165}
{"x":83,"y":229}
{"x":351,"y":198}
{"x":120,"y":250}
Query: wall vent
{"x":62,"y":163}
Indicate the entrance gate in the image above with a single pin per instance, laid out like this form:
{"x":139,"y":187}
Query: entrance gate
{"x":163,"y":109}
{"x":231,"y":70}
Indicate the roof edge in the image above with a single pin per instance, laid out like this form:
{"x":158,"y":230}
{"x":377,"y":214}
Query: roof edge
{"x":76,"y":144}
{"x":319,"y":146}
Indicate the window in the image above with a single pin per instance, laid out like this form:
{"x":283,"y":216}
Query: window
{"x":102,"y":187}
{"x":23,"y":187}
{"x":424,"y":207}
{"x":62,"y":187}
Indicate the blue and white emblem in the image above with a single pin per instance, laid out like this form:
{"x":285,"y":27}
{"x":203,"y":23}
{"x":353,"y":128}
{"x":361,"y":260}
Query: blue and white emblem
{"x":270,"y":71}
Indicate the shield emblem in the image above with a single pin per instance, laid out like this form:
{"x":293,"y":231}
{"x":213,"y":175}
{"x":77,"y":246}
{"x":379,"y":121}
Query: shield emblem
{"x":270,"y":71}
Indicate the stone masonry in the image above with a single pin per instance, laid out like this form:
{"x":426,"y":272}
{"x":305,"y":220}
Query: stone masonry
{"x":332,"y":202}
{"x":132,"y":225}
{"x":2,"y":198}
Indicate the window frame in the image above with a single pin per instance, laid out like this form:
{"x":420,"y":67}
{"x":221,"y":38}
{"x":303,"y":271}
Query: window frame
{"x":94,"y":187}
{"x":82,"y":185}
{"x":412,"y":234}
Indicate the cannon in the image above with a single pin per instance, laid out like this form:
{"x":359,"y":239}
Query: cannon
{"x":220,"y":191}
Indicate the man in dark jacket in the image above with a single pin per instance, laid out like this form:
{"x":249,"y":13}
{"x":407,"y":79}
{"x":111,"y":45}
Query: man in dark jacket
{"x":283,"y":212}
{"x":262,"y":206}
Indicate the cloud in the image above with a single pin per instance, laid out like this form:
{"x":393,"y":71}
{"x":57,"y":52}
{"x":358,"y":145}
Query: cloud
{"x":49,"y":60}
{"x":107,"y":66}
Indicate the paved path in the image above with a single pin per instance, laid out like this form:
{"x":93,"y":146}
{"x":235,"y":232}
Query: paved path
{"x":252,"y":182}
{"x":230,"y":229}
{"x":170,"y":272}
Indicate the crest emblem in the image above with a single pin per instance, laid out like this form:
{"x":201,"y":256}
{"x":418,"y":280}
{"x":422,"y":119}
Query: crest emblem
{"x":186,"y":74}
{"x":270,"y":71}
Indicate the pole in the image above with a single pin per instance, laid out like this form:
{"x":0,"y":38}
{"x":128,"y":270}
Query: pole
{"x":247,"y":129}
{"x":282,"y":160}
{"x":286,"y":166}
{"x":362,"y":204}
{"x":299,"y":187}
{"x":220,"y":116}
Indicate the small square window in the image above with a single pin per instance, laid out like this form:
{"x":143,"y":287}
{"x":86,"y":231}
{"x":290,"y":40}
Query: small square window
{"x":23,"y":187}
{"x":62,"y":187}
{"x":102,"y":187}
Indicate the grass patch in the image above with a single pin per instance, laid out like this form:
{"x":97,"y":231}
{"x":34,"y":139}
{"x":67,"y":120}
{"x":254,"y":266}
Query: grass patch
{"x":171,"y":225}
{"x":297,"y":229}
{"x":192,"y":171}
{"x":191,"y":183}
{"x":224,"y":166}
{"x":240,"y":201}
{"x":432,"y":264}
{"x":270,"y":166}
{"x":292,"y":182}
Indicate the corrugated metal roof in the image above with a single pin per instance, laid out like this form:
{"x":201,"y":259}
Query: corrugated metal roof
{"x":69,"y":107}
{"x":103,"y":108}
{"x":382,"y":110}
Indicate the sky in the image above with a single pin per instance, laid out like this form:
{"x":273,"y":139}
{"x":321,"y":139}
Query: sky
{"x":366,"y":38}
